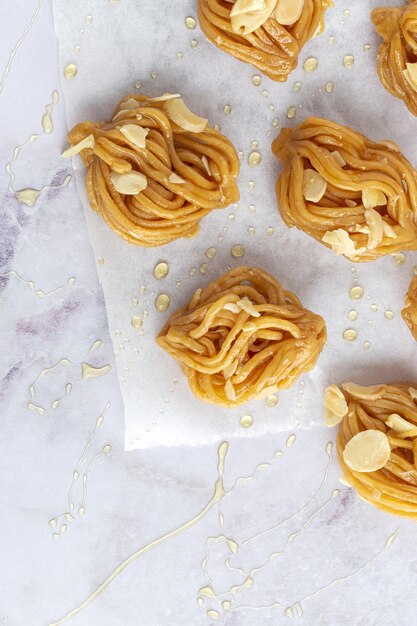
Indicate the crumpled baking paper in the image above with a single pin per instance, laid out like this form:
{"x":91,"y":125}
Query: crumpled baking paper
{"x":125,"y":41}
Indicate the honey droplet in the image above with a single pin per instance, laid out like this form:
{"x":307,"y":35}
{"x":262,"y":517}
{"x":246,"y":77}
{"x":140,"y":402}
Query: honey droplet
{"x":254,"y":158}
{"x":291,"y":440}
{"x":70,"y":71}
{"x":254,"y":144}
{"x":240,"y":155}
{"x":138,"y":84}
{"x":252,"y":208}
{"x":194,"y":43}
{"x":179,"y":56}
{"x":161,"y":270}
{"x":348,"y":60}
{"x":272,"y":401}
{"x":353,"y":315}
{"x":100,"y":260}
{"x":154,"y":74}
{"x":270,"y":231}
{"x":331,"y":41}
{"x":77,"y":47}
{"x":310,"y":64}
{"x":291,"y":113}
{"x":265,"y":93}
{"x":271,"y":107}
{"x":89,"y":19}
{"x":238,"y":251}
{"x":217,"y":127}
{"x":297,"y":86}
{"x":193,"y":271}
{"x":275,"y":122}
{"x":346,"y":12}
{"x":350,"y":334}
{"x":366,"y":345}
{"x":389,"y":315}
{"x":356,"y":293}
{"x":256,"y":80}
{"x":136,"y":321}
{"x":366,"y":47}
{"x":227,"y":109}
{"x":162,"y":302}
{"x":190,"y":22}
{"x":399,"y":258}
{"x":246,"y":421}
{"x":211,"y":253}
{"x":329,"y":86}
{"x":251,"y":230}
{"x":203,"y":268}
{"x":251,"y":184}
{"x":373,"y":308}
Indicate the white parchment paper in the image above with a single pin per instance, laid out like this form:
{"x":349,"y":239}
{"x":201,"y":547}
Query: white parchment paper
{"x":143,"y":40}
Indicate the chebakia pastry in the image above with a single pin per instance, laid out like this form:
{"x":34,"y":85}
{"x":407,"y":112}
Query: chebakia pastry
{"x":156,"y":169}
{"x":356,"y":196}
{"x":242,"y":338}
{"x":377,"y":442}
{"x":268,"y":34}
{"x":397,"y":55}
{"x":409,"y":311}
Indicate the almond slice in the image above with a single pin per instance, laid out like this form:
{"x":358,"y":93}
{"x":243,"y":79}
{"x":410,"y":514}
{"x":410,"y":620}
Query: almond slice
{"x":360,"y":228}
{"x":179,"y":113}
{"x":350,"y":203}
{"x":129,"y":184}
{"x":364,"y":393}
{"x":174,"y":178}
{"x":389,"y":231}
{"x":246,"y":305}
{"x":165,"y":97}
{"x":135,"y":134}
{"x":367,"y":451}
{"x":413,"y":393}
{"x":232,"y":307}
{"x":335,"y":405}
{"x":230,"y":390}
{"x":288,"y":11}
{"x":376,"y":228}
{"x":338,"y":158}
{"x":87,"y":142}
{"x":391,"y":145}
{"x":247,"y":16}
{"x":373,"y":197}
{"x":399,"y":424}
{"x":130,"y":103}
{"x":341,"y":243}
{"x":206,"y":164}
{"x":314,"y":186}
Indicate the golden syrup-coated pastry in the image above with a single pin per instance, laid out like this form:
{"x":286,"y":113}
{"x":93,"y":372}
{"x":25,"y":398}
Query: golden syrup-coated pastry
{"x":268,"y":34}
{"x":156,"y":169}
{"x":356,"y":196}
{"x":397,"y":54}
{"x":377,"y":442}
{"x":409,"y":311}
{"x":243,"y":337}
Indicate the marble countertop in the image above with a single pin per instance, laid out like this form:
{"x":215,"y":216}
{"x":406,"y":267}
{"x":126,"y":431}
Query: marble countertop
{"x":157,"y":537}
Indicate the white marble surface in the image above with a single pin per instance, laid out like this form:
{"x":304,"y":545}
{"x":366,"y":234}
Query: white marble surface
{"x":133,"y":498}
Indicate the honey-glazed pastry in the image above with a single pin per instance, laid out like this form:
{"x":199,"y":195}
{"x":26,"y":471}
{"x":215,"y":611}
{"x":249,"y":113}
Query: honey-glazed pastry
{"x":377,"y":442}
{"x":156,"y":169}
{"x":268,"y":34}
{"x":355,"y":196}
{"x":397,"y":54}
{"x":243,"y":337}
{"x":409,"y":312}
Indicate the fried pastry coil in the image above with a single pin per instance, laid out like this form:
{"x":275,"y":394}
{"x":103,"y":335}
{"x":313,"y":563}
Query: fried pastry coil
{"x":409,"y":312}
{"x":390,"y":409}
{"x":397,"y":54}
{"x":186,"y":173}
{"x":354,"y":195}
{"x":243,"y":337}
{"x":272,"y":48}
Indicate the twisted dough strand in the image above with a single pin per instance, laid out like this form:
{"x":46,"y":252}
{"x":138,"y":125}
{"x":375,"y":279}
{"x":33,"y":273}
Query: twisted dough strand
{"x":392,"y":488}
{"x":273,"y":49}
{"x":206,"y":163}
{"x":242,"y":338}
{"x":366,"y":166}
{"x":398,"y":28}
